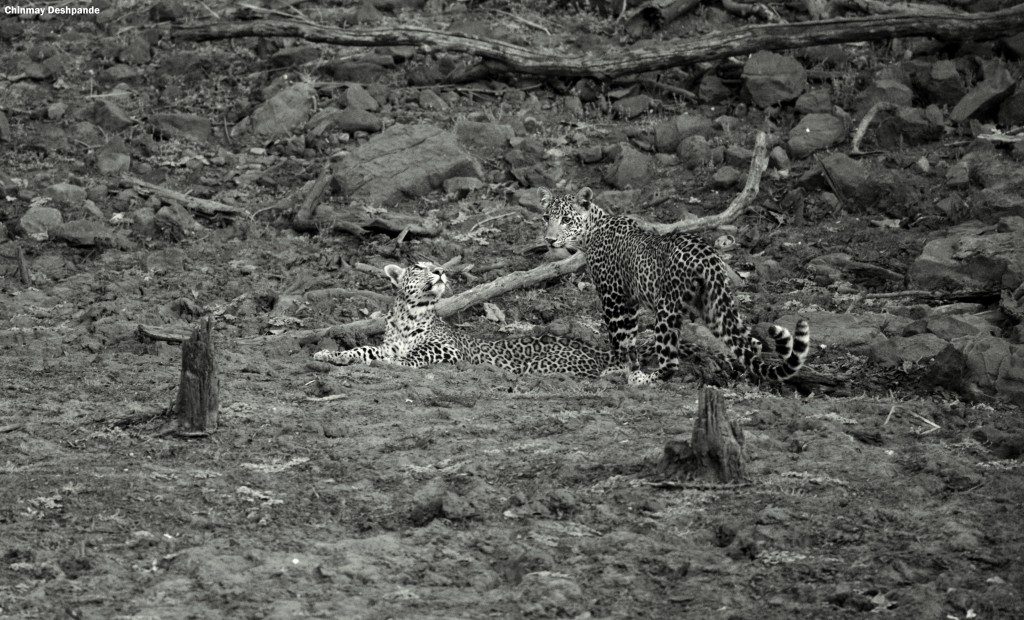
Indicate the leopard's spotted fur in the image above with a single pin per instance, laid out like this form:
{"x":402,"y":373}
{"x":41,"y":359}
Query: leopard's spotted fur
{"x":675,"y":275}
{"x":416,"y":336}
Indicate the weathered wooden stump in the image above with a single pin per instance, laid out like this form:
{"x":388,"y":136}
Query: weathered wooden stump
{"x":197,"y":402}
{"x":714,"y":453}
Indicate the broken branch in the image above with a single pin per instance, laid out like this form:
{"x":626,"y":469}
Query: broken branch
{"x":202,"y":205}
{"x":626,"y":61}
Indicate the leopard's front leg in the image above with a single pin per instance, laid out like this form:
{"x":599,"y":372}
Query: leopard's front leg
{"x":359,"y":355}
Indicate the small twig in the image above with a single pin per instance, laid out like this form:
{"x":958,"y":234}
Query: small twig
{"x":862,"y":127}
{"x":888,"y":417}
{"x":11,"y":428}
{"x":668,"y":88}
{"x":211,"y":11}
{"x":202,"y":205}
{"x":367,"y":268}
{"x":524,"y":21}
{"x":934,"y":426}
{"x":324,"y":399}
{"x":491,"y":219}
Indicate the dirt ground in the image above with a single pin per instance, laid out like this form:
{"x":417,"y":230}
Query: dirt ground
{"x":385,"y":492}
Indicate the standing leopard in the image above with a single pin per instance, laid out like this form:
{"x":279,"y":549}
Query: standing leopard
{"x":674,"y":275}
{"x":416,"y":336}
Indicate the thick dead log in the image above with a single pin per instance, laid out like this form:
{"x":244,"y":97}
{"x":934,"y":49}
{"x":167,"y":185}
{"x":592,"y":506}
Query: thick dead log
{"x":714,"y":453}
{"x":638,"y":59}
{"x":197,"y":403}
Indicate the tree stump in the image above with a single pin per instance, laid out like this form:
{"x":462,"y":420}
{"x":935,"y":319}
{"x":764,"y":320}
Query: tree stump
{"x":714,"y":453}
{"x":197,"y":390}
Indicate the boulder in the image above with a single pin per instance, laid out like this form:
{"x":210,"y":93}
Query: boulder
{"x":818,"y":100}
{"x":631,"y":168}
{"x":87,"y":233}
{"x":39,"y":220}
{"x":772,"y":78}
{"x":1011,"y":112}
{"x":907,"y":125}
{"x":726,"y":177}
{"x":847,"y":331}
{"x":462,"y":186}
{"x":429,"y":100}
{"x":947,"y":327}
{"x":281,"y":115}
{"x":634,"y":106}
{"x":815,"y":132}
{"x":985,"y":97}
{"x":66,"y":194}
{"x":971,"y":257}
{"x":110,"y":116}
{"x":668,"y":134}
{"x":112,"y":161}
{"x":855,"y":185}
{"x":5,"y":128}
{"x":694,"y":152}
{"x":359,"y":98}
{"x":349,"y":120}
{"x":889,"y":91}
{"x":942,"y":83}
{"x":483,"y":139}
{"x":712,"y":89}
{"x":402,"y":162}
{"x":981,"y":366}
{"x":958,"y":176}
{"x":174,"y":125}
{"x":906,"y":349}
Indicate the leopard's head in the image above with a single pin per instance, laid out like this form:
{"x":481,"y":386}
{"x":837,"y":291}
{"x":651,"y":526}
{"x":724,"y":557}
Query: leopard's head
{"x":420,"y":285}
{"x":569,"y":217}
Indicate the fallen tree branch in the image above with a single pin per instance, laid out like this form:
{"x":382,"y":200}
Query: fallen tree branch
{"x":625,"y":61}
{"x":877,"y":7}
{"x":202,"y":205}
{"x":739,"y":204}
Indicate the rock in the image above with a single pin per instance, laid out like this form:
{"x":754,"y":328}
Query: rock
{"x":779,"y":158}
{"x":1011,"y":112}
{"x":984,"y":97}
{"x":896,"y":351}
{"x":712,"y":89}
{"x":484,"y":139}
{"x":619,"y":201}
{"x":815,"y":132}
{"x":166,"y":11}
{"x":191,"y":126}
{"x":359,"y":98}
{"x":429,"y":100}
{"x":694,"y":152}
{"x":971,"y":257}
{"x":668,"y":134}
{"x":87,"y":233}
{"x":636,"y":105}
{"x":353,"y":70}
{"x":571,"y":104}
{"x":5,"y":128}
{"x":910,"y":126}
{"x":772,"y":78}
{"x":726,"y":177}
{"x":836,"y":267}
{"x":404,"y":161}
{"x":958,"y":176}
{"x":144,"y":221}
{"x":349,"y":120}
{"x":544,"y":594}
{"x":135,"y":51}
{"x":110,"y":116}
{"x":40,"y":220}
{"x":855,"y":185}
{"x":66,"y":194}
{"x":281,"y":115}
{"x":889,"y":91}
{"x":295,"y":56}
{"x":112,"y":162}
{"x":175,"y":221}
{"x":943,"y":83}
{"x":818,"y":100}
{"x":1003,"y":445}
{"x":727,"y":123}
{"x":461,"y":186}
{"x":631,"y":168}
{"x":981,"y":365}
{"x":736,"y":155}
{"x":947,"y":327}
{"x":56,"y":111}
{"x":847,"y":331}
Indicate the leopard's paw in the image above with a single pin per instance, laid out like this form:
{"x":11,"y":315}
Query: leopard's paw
{"x":339,"y":358}
{"x":639,"y":377}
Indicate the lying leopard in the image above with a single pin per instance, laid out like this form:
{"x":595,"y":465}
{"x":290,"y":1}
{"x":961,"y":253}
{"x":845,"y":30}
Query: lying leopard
{"x":674,"y":275}
{"x":416,"y":336}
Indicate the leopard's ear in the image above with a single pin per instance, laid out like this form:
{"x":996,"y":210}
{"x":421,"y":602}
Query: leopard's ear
{"x":545,"y":198}
{"x":585,"y":195}
{"x":394,"y":273}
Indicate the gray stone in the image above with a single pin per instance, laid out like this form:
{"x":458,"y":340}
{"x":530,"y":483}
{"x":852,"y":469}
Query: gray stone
{"x":948,"y":327}
{"x":461,"y":186}
{"x":943,"y":83}
{"x":87,"y":233}
{"x":736,"y":155}
{"x":636,"y":105}
{"x":135,"y":51}
{"x":175,"y":221}
{"x":112,"y":162}
{"x":66,"y":194}
{"x":55,"y":111}
{"x":40,"y":220}
{"x":855,"y":185}
{"x":359,"y":98}
{"x":176,"y":125}
{"x":889,"y":91}
{"x":906,"y":349}
{"x":985,"y":96}
{"x":712,"y":89}
{"x":847,"y":331}
{"x":402,"y":162}
{"x":726,"y":177}
{"x":838,"y":266}
{"x":348,"y":120}
{"x":1011,"y":112}
{"x":694,"y":152}
{"x":981,"y":365}
{"x":630,"y":168}
{"x":281,"y":115}
{"x":818,"y":100}
{"x":353,"y":70}
{"x":144,"y":221}
{"x":668,"y":134}
{"x":110,"y":116}
{"x":429,"y":100}
{"x":5,"y":128}
{"x":971,"y":257}
{"x":772,"y":78}
{"x":727,"y":123}
{"x":484,"y":139}
{"x":958,"y":176}
{"x":815,"y":132}
{"x":779,"y":158}
{"x":907,"y":126}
